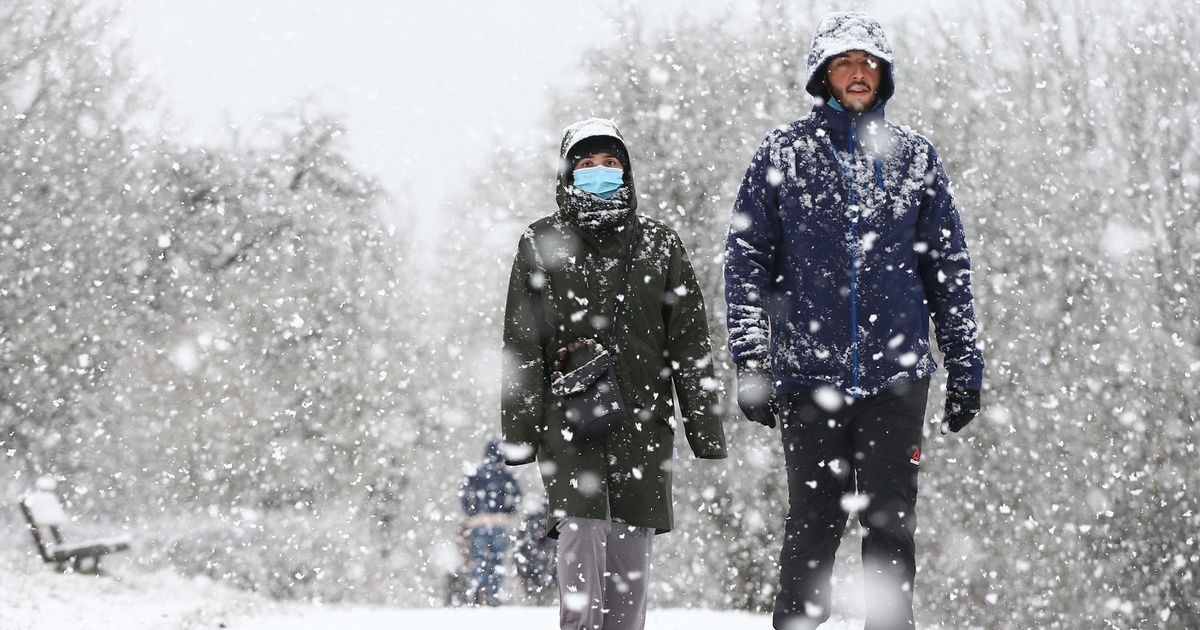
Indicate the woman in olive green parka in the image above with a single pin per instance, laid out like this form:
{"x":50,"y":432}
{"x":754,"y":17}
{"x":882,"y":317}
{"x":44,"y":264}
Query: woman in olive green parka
{"x":608,"y":495}
{"x":663,"y":340}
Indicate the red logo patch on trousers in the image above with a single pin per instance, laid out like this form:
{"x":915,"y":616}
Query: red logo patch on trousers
{"x":916,"y":457}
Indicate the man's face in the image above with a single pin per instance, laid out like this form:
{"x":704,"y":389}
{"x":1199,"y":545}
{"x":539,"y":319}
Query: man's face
{"x":853,"y":79}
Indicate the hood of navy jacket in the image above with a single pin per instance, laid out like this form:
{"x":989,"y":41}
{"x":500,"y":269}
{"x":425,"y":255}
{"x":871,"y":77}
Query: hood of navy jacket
{"x":839,"y":33}
{"x":491,"y":452}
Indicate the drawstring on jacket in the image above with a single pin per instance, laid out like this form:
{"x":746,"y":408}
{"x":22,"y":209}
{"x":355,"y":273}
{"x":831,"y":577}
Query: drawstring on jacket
{"x":878,"y":170}
{"x":855,"y":390}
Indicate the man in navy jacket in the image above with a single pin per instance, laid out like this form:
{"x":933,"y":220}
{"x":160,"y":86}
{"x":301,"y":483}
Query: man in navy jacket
{"x":844,"y":241}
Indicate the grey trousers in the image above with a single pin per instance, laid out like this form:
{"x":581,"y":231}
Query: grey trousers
{"x":603,"y":574}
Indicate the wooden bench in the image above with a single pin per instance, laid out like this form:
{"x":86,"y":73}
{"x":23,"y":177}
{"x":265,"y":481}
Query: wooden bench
{"x":46,"y":518}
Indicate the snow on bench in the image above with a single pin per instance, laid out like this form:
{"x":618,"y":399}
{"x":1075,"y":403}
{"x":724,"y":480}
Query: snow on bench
{"x":46,"y":518}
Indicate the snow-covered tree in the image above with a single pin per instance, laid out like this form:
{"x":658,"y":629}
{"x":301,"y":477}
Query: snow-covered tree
{"x":67,"y":156}
{"x":212,"y":331}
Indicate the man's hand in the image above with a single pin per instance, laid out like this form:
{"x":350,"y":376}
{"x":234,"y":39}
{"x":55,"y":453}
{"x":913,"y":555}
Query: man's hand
{"x":962,"y":405}
{"x":756,"y":394}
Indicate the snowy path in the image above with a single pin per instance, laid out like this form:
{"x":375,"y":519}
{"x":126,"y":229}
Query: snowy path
{"x":34,"y":597}
{"x":43,"y":600}
{"x":503,"y":618}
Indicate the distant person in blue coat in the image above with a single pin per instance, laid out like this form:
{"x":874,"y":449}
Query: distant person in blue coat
{"x":489,"y":497}
{"x":844,"y":241}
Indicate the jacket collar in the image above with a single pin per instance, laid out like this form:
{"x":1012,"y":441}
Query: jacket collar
{"x":838,"y":123}
{"x":607,"y":243}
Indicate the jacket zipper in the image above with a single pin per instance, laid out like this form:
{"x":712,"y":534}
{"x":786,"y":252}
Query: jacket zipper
{"x":855,"y":391}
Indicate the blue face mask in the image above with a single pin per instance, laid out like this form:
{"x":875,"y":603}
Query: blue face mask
{"x":601,"y":181}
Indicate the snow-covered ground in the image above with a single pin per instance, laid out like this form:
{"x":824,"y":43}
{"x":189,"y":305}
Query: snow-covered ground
{"x":46,"y":600}
{"x":34,"y":597}
{"x":503,"y":618}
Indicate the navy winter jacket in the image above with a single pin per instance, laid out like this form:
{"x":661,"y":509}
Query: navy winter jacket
{"x":491,"y":488}
{"x":844,"y":240}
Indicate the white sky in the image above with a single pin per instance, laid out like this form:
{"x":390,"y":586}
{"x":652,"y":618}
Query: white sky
{"x":423,"y":87}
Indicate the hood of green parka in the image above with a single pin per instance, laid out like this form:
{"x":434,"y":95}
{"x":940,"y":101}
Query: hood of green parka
{"x":578,"y":132}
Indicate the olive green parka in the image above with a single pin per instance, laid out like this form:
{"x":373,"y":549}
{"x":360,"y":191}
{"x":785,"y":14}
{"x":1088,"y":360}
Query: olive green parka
{"x":663,"y":341}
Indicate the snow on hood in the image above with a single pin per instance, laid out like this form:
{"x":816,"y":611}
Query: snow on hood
{"x":841,"y":32}
{"x":582,"y":130}
{"x":491,"y":452}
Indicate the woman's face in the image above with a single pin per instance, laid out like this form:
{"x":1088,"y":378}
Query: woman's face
{"x":599,"y":159}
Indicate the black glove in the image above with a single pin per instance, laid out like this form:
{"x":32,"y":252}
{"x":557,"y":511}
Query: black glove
{"x":961,"y":407}
{"x":756,"y":394}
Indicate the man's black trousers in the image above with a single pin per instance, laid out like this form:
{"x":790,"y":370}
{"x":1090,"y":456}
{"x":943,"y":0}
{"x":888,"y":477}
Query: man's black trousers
{"x":840,"y":455}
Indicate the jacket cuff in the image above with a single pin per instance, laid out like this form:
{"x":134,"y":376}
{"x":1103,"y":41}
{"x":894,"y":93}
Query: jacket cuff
{"x":964,"y":379}
{"x":518,"y":453}
{"x":753,"y":366}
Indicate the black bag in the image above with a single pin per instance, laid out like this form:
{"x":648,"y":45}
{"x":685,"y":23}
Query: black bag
{"x":589,"y":394}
